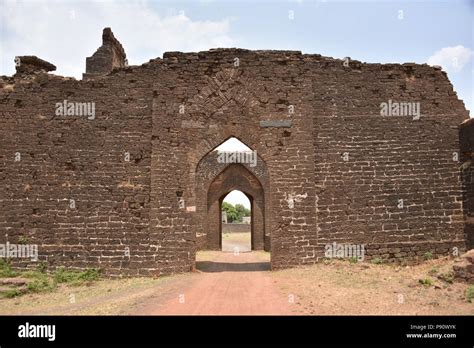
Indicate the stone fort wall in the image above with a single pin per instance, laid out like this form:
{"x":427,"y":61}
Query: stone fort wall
{"x":122,"y":190}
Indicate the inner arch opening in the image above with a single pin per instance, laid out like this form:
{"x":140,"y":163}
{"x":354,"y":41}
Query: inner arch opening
{"x":236,"y":222}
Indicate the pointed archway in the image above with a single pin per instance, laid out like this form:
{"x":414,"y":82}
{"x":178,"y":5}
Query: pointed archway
{"x":215,"y":179}
{"x":235,"y":177}
{"x":236,"y":222}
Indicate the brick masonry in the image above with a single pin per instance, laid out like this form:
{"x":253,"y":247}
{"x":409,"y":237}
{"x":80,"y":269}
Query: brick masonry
{"x":133,"y":189}
{"x":467,"y":171}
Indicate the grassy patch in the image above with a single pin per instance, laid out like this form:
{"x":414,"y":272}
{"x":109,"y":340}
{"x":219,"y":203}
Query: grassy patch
{"x":428,"y":255}
{"x":40,"y":281}
{"x":376,"y":261}
{"x":448,"y":277}
{"x":6,"y":269}
{"x":470,"y":293}
{"x":426,"y":281}
{"x":41,"y":284}
{"x":61,"y":275}
{"x":42,"y":267}
{"x":353,"y":259}
{"x":22,"y":240}
{"x":12,"y":293}
{"x":32,"y":274}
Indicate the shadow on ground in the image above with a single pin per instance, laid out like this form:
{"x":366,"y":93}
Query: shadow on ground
{"x":210,"y":266}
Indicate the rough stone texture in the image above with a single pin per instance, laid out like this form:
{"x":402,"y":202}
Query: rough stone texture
{"x":464,"y":269}
{"x":330,"y":167}
{"x":467,"y":171}
{"x":32,"y":64}
{"x":109,"y":56}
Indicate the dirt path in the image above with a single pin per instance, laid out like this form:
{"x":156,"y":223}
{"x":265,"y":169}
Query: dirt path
{"x":228,"y":283}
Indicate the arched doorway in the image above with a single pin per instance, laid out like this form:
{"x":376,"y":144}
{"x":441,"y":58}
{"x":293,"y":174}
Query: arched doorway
{"x":235,"y":177}
{"x":214,"y":179}
{"x":236,"y":222}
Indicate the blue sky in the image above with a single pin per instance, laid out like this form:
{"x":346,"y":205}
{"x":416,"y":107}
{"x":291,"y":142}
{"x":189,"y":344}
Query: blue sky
{"x":66,"y":32}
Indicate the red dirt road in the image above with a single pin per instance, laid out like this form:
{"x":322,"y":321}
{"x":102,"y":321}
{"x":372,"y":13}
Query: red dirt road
{"x":226,"y":284}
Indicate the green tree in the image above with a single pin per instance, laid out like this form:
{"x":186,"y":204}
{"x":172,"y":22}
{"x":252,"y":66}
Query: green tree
{"x":241,"y":212}
{"x":232,"y":215}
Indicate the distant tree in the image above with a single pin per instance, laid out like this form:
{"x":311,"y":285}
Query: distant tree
{"x":241,"y":212}
{"x":235,"y":214}
{"x":232,"y":215}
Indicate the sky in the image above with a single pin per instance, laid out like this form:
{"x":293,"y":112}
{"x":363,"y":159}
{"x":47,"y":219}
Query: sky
{"x":66,"y":32}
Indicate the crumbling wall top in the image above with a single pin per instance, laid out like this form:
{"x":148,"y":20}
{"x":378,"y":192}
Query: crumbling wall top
{"x":32,"y":64}
{"x":467,"y":136}
{"x":109,"y":56}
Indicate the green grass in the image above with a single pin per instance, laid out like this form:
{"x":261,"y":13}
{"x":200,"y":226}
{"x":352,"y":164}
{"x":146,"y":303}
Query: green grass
{"x":41,"y":284}
{"x":426,"y":281}
{"x":376,"y":260}
{"x":41,"y":281}
{"x":353,"y":259}
{"x":470,"y":293}
{"x":61,"y":275}
{"x":32,"y":274}
{"x":448,"y":277}
{"x":42,"y":267}
{"x":428,"y":255}
{"x":22,"y":240}
{"x":6,"y":269}
{"x":12,"y":293}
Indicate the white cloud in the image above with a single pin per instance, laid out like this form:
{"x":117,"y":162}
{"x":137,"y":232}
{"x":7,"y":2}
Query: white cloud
{"x":65,"y":33}
{"x":452,"y":58}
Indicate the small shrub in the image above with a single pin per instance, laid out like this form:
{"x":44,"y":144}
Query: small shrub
{"x":41,"y":284}
{"x":447,"y":277}
{"x":22,"y":240}
{"x":353,"y":259}
{"x":61,"y":275}
{"x":470,"y":293}
{"x":6,"y":269}
{"x":32,"y":274}
{"x":428,"y":255}
{"x":42,"y":267}
{"x":90,"y":274}
{"x":376,"y":260}
{"x":433,"y":271}
{"x":11,"y":293}
{"x":426,"y":281}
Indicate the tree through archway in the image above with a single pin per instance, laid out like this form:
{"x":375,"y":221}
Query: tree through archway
{"x":236,"y":222}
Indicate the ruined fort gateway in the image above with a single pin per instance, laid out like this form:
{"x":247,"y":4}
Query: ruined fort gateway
{"x":135,"y":190}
